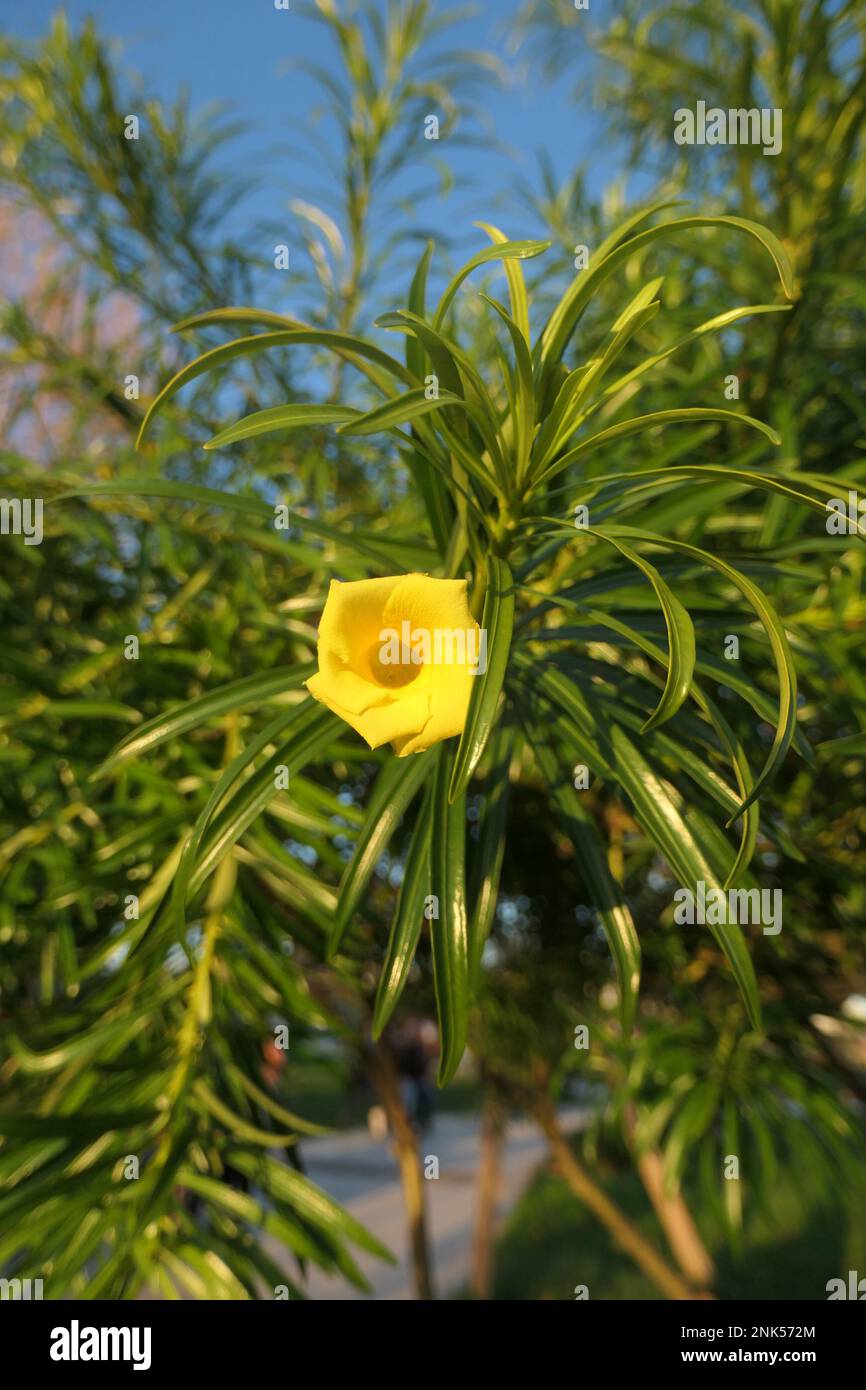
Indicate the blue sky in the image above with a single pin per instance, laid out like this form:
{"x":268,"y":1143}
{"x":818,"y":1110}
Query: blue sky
{"x":240,"y":52}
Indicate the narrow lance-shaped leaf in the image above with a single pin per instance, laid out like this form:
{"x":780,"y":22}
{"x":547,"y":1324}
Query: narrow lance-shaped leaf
{"x":232,"y":502}
{"x":565,"y":316}
{"x":261,"y":342}
{"x":456,"y":373}
{"x":449,"y":930}
{"x":646,"y":422}
{"x":785,"y":669}
{"x":292,"y":416}
{"x":407,"y":922}
{"x":736,"y":752}
{"x":394,"y":788}
{"x":236,"y":314}
{"x":681,"y":636}
{"x":520,"y":250}
{"x":607,"y":895}
{"x":230,"y":778}
{"x":242,"y":809}
{"x":489,"y":853}
{"x":402,"y":410}
{"x":418,"y":305}
{"x":497,"y":623}
{"x":524,"y":421}
{"x":848,"y":746}
{"x":430,"y":484}
{"x":780,"y":483}
{"x":655,"y":806}
{"x":680,"y":630}
{"x":567,"y":415}
{"x":309,"y":1201}
{"x":694,"y":1118}
{"x":711,"y":325}
{"x":250,"y":690}
{"x":516,"y":282}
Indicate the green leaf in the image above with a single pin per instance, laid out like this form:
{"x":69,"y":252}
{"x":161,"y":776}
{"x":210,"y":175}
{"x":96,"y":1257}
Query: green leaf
{"x":564,"y":419}
{"x":104,"y":1038}
{"x":731,"y":1138}
{"x":266,"y":1102}
{"x":524,"y":414}
{"x":712,"y":325}
{"x":401,"y":410}
{"x":443,"y":354}
{"x":76,"y":709}
{"x":657,"y":810}
{"x":250,"y":690}
{"x":617,"y":236}
{"x":779,"y":483}
{"x":680,"y":630}
{"x":693,"y":1120}
{"x":238,"y":1126}
{"x":565,"y":316}
{"x":408,"y":919}
{"x":502,"y":251}
{"x":280,"y":417}
{"x":235,"y":314}
{"x":655,"y":807}
{"x":490,"y":848}
{"x":681,"y":636}
{"x":418,"y":305}
{"x":786,"y":722}
{"x":457,"y":373}
{"x":497,"y":622}
{"x":394,"y":788}
{"x":309,"y":1201}
{"x":232,"y":776}
{"x":75,"y":1127}
{"x":305,"y":743}
{"x":850,"y":745}
{"x":430,"y":484}
{"x":236,"y":502}
{"x":341,"y":343}
{"x":691,"y":762}
{"x":606,"y":893}
{"x":449,"y":931}
{"x":516,"y":282}
{"x":646,"y":422}
{"x":165,"y":487}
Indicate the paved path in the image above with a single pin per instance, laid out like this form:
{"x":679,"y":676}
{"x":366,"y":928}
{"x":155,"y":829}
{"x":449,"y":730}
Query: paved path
{"x":360,"y":1172}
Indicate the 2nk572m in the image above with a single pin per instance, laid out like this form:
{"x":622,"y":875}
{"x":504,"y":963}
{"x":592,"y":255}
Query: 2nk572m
{"x":711,"y":1334}
{"x":775,"y":1332}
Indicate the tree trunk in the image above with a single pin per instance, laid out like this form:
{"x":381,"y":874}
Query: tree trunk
{"x":386,"y":1081}
{"x":626,"y":1235}
{"x":676,"y":1220}
{"x":487,"y":1194}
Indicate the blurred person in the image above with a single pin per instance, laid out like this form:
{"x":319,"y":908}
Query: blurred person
{"x":413,"y":1050}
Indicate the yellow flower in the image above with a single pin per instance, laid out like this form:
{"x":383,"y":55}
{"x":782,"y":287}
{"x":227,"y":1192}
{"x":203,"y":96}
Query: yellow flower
{"x":397,"y":658}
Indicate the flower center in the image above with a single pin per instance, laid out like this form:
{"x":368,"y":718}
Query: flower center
{"x":388,"y":667}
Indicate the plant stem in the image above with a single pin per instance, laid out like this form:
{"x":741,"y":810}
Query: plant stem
{"x":676,"y":1220}
{"x":489,"y":1176}
{"x":386,"y":1081}
{"x":626,"y":1235}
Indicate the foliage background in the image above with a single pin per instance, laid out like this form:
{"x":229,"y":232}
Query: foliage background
{"x":109,"y":244}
